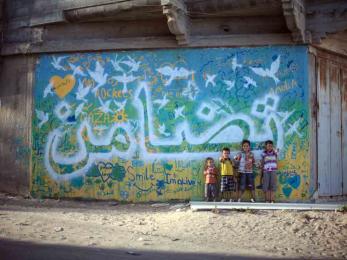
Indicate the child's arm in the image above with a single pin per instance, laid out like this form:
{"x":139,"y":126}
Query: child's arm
{"x":277,"y":151}
{"x":261,"y":169}
{"x":215,"y":171}
{"x":237,"y":157}
{"x":253,"y":160}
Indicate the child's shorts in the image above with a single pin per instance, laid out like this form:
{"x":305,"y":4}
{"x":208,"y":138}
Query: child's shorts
{"x":227,"y":183}
{"x":246,"y":181}
{"x":210,"y":190}
{"x":269,"y":181}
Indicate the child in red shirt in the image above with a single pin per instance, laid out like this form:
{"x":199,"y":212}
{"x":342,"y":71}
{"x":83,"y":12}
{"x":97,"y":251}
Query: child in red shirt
{"x":210,"y":172}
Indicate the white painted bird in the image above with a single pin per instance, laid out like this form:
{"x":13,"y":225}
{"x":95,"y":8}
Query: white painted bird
{"x":132,"y":64}
{"x":98,"y":76}
{"x":48,"y":90}
{"x":125,"y":80}
{"x":178,"y":112}
{"x":120,"y":105}
{"x":191,"y":91}
{"x":275,"y":65}
{"x":82,"y":91}
{"x":116,"y":65}
{"x":161,"y":102}
{"x":293,"y":128}
{"x":76,"y":70}
{"x":174,"y":73}
{"x":42,"y":116}
{"x":249,"y":82}
{"x":79,"y":109}
{"x":285,"y":115}
{"x":105,"y":106}
{"x":56,"y":62}
{"x":229,"y":83}
{"x":210,"y":80}
{"x":162,"y":130}
{"x":234,"y":64}
{"x":222,"y":106}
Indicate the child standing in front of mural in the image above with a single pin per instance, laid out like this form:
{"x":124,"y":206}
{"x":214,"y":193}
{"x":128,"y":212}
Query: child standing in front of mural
{"x":210,"y":172}
{"x":269,"y":170}
{"x":246,"y":160}
{"x":227,"y":175}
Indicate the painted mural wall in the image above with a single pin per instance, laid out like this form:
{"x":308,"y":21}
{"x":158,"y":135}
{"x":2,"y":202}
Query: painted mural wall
{"x":137,"y":125}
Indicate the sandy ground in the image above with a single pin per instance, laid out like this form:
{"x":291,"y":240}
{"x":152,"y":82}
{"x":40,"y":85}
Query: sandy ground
{"x":140,"y":230}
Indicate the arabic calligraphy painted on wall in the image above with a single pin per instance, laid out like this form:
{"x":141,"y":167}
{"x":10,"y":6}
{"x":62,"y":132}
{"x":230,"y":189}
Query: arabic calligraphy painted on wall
{"x":136,"y":125}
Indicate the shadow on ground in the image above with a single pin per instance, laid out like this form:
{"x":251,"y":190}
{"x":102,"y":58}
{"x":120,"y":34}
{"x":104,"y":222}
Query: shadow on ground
{"x":32,"y":205}
{"x":13,"y":250}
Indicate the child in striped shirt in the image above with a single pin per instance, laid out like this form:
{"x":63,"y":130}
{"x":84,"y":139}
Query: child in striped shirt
{"x":269,"y":171}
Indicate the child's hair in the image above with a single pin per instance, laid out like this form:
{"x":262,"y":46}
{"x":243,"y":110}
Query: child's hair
{"x":268,"y":142}
{"x":207,"y":159}
{"x":245,"y":141}
{"x":226,"y":149}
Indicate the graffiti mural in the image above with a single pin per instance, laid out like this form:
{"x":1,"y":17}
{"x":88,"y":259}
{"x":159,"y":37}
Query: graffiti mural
{"x":137,"y":125}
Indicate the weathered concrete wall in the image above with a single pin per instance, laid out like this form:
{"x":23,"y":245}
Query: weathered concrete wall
{"x":40,"y":26}
{"x":137,"y":125}
{"x":15,"y":127}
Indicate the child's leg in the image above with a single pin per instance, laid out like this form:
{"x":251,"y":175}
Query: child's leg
{"x":213,"y":191}
{"x":210,"y":192}
{"x":273,"y":186}
{"x":222,"y":188}
{"x":206,"y":191}
{"x":238,"y":180}
{"x":266,"y":188}
{"x":240,"y":194}
{"x":251,"y":184}
{"x":253,"y":194}
{"x":272,"y":196}
{"x":242,"y":184}
{"x":231,"y":187}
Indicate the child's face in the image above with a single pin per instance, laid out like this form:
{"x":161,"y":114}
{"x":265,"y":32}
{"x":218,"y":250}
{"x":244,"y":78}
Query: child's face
{"x":210,"y":163}
{"x":245,"y":147}
{"x":225,"y":154}
{"x":269,"y":147}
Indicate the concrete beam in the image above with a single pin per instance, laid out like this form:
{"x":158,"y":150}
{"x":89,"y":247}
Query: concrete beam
{"x":70,"y":45}
{"x":201,"y":205}
{"x":236,"y":8}
{"x":177,"y":20}
{"x":295,"y":16}
{"x":112,"y":10}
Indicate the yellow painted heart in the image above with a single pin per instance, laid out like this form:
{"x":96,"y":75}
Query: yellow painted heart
{"x":63,"y":86}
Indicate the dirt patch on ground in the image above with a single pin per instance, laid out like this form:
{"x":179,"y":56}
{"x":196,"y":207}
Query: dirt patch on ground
{"x":175,"y":228}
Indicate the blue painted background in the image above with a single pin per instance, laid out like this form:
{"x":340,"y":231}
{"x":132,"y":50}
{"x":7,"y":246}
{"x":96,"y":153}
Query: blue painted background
{"x":136,"y":125}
